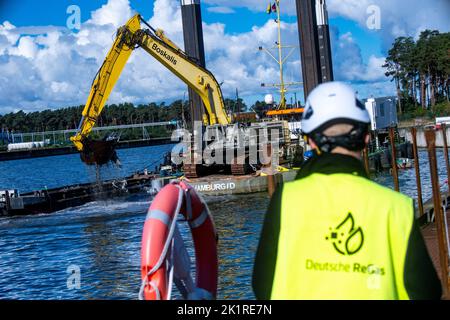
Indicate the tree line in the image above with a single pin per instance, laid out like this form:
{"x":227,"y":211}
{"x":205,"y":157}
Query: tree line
{"x":420,"y":70}
{"x":113,"y":114}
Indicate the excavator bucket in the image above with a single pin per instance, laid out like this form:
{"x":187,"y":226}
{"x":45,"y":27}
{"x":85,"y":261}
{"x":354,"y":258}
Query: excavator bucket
{"x":99,"y":152}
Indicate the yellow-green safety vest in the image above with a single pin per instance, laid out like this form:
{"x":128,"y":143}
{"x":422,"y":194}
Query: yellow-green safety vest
{"x":344,"y":245}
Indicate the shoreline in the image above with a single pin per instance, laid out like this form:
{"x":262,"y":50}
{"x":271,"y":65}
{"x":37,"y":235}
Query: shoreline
{"x":49,"y":152}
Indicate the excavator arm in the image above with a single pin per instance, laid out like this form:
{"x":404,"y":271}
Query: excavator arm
{"x":154,"y":42}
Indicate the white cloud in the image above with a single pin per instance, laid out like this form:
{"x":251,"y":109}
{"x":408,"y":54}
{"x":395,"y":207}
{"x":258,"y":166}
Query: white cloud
{"x":53,"y":67}
{"x":115,"y":12}
{"x":375,"y":71}
{"x":27,"y":48}
{"x":348,"y":62}
{"x":368,"y":78}
{"x":49,"y":66}
{"x":6,"y":31}
{"x":221,"y":9}
{"x":398,"y":18}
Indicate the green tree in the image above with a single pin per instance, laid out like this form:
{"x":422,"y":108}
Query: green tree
{"x":420,"y":69}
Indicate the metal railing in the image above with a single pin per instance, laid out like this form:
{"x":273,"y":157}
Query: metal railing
{"x":65,"y":134}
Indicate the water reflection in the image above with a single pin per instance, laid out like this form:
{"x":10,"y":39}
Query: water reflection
{"x":238,"y":221}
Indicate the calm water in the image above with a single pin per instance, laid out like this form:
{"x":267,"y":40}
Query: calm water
{"x":103,"y":238}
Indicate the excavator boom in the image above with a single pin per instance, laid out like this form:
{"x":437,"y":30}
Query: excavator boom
{"x":103,"y":84}
{"x":154,"y":42}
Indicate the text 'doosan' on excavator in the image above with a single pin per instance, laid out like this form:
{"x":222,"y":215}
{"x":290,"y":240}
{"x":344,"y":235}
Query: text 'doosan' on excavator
{"x":216,"y":122}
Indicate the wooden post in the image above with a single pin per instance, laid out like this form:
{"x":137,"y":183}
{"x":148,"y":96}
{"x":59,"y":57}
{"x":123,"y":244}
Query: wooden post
{"x":8,"y":202}
{"x":430,"y":136}
{"x":271,"y":182}
{"x":444,"y":138}
{"x":394,"y":159}
{"x":366,"y":160}
{"x":417,"y":167}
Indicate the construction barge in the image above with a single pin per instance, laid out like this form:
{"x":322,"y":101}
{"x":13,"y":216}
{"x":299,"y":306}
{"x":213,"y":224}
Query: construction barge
{"x":50,"y":200}
{"x":13,"y":203}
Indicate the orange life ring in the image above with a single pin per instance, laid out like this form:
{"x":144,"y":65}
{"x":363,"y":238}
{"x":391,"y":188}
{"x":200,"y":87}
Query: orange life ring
{"x":174,"y":198}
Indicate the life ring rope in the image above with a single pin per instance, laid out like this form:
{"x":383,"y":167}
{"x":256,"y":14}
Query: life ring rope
{"x":163,"y":255}
{"x":199,"y":220}
{"x":203,"y":216}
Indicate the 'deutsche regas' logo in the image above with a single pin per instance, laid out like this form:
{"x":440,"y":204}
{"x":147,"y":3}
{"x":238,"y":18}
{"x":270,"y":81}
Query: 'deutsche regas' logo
{"x":346,"y":238}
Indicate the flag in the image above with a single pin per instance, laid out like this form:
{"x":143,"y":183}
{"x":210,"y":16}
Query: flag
{"x":274,"y":8}
{"x":269,"y":8}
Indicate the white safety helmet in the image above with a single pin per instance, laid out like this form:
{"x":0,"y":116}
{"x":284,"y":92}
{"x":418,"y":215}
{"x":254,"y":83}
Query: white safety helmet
{"x":332,"y":103}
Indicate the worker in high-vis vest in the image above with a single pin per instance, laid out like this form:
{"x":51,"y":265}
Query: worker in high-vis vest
{"x":332,"y":233}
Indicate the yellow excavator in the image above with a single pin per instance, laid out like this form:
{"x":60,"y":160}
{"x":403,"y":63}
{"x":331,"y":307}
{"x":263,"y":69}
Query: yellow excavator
{"x":130,"y":37}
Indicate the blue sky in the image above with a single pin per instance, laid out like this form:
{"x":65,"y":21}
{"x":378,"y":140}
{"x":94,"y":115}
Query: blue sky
{"x":45,"y":65}
{"x":51,"y":12}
